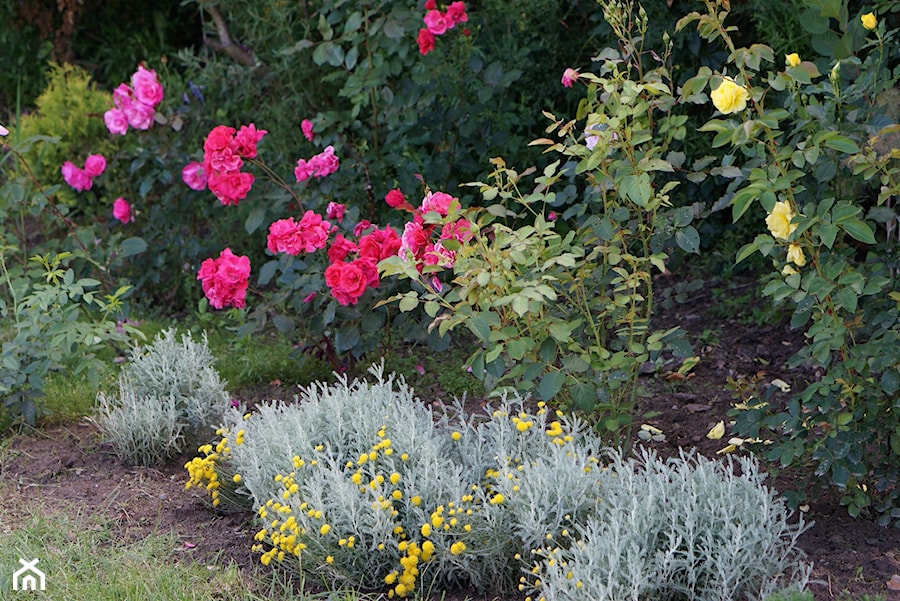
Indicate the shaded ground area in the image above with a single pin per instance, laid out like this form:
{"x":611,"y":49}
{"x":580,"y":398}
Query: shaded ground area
{"x":69,"y":467}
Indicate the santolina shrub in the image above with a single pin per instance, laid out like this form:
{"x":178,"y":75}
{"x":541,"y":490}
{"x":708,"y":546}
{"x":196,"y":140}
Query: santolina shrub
{"x":363,"y":483}
{"x":170,"y":398}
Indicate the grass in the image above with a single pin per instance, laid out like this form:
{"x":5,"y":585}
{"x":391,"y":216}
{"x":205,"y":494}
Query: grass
{"x":84,"y":560}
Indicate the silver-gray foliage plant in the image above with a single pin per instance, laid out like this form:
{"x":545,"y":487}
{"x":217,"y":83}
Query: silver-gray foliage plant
{"x":687,"y":528}
{"x":170,"y":397}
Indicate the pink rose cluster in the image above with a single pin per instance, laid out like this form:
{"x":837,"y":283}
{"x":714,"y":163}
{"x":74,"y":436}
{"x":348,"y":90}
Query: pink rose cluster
{"x":225,"y":279}
{"x":82,"y":178}
{"x":135,"y":104}
{"x":418,"y":243}
{"x":353,"y":266}
{"x":321,"y":165}
{"x":438,"y":23}
{"x":224,"y":152}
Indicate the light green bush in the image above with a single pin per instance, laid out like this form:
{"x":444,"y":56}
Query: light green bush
{"x":170,"y":396}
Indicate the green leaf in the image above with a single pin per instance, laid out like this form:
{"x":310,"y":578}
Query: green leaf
{"x":432,"y":308}
{"x":859,"y":230}
{"x":409,"y":302}
{"x":255,"y":219}
{"x":842,"y":144}
{"x":688,"y":239}
{"x":890,"y":381}
{"x":353,"y":23}
{"x":516,"y":349}
{"x":346,"y":339}
{"x":741,"y":201}
{"x":132,"y":246}
{"x":551,"y":384}
{"x":827,"y":234}
{"x":267,"y":272}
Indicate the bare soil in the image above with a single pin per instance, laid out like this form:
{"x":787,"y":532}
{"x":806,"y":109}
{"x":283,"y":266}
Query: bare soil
{"x":69,"y":467}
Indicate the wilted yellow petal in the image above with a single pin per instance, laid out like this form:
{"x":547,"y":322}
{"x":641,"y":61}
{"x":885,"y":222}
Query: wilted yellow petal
{"x":717,"y":432}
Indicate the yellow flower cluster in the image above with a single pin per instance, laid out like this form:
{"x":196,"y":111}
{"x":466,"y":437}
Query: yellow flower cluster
{"x":202,"y":470}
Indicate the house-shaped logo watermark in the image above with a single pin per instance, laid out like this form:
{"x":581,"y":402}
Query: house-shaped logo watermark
{"x":28,"y":577}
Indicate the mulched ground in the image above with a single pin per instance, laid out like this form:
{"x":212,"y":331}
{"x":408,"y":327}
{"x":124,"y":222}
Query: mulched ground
{"x":68,"y":467}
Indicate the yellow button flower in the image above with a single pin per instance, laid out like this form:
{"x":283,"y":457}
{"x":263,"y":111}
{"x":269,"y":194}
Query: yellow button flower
{"x":869,"y":21}
{"x":730,"y":97}
{"x":779,"y":220}
{"x":795,"y":255}
{"x":792,"y":59}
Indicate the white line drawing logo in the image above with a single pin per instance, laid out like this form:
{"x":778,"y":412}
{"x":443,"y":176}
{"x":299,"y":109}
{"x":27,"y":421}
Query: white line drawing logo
{"x":28,"y":577}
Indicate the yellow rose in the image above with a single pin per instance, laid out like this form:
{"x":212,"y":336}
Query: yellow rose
{"x":869,"y":21}
{"x":792,"y":59}
{"x":795,"y":255}
{"x":730,"y":97}
{"x":779,"y":220}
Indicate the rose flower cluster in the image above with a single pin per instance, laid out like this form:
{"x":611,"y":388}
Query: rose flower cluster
{"x":223,"y":156}
{"x":438,"y":23}
{"x":135,"y":104}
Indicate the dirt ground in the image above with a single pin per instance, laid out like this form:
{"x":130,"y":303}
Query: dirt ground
{"x":69,"y":467}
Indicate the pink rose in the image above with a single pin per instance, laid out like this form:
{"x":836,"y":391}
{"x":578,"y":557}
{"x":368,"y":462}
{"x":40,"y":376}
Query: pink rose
{"x":147,"y":88}
{"x":380,"y":244}
{"x":413,"y":240}
{"x":436,"y":254}
{"x":430,"y":4}
{"x":122,"y":210}
{"x":246,"y":139}
{"x":230,"y":188}
{"x":306,"y":127}
{"x":569,"y":77}
{"x":456,"y":13}
{"x":194,"y":176}
{"x":340,"y":248}
{"x":346,"y":281}
{"x":76,"y":177}
{"x":116,"y":121}
{"x":461,"y":231}
{"x":139,"y":115}
{"x":219,"y":138}
{"x":225,"y":279}
{"x":322,"y":165}
{"x":369,"y":268}
{"x":95,"y":165}
{"x":285,"y":237}
{"x":438,"y":202}
{"x":123,"y":95}
{"x":425,"y":40}
{"x":223,"y":161}
{"x":335,"y":211}
{"x":435,"y":22}
{"x":315,"y":231}
{"x":362,"y":226}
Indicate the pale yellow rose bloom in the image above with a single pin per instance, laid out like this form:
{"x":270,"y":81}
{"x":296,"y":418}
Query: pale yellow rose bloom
{"x":788,"y":270}
{"x":869,"y":21}
{"x":792,"y":59}
{"x":795,"y":255}
{"x":779,"y":220}
{"x":730,"y":97}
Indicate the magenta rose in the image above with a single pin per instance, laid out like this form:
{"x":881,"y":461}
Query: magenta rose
{"x":194,"y":175}
{"x":456,"y":13}
{"x":346,"y":281}
{"x":314,"y":230}
{"x":340,"y":248}
{"x":335,"y":211}
{"x":246,"y":139}
{"x":122,"y":210}
{"x":147,"y":88}
{"x":306,"y":126}
{"x":435,"y":22}
{"x":285,"y":237}
{"x":76,"y":177}
{"x":230,"y":188}
{"x":413,"y":240}
{"x":95,"y":165}
{"x":225,"y":279}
